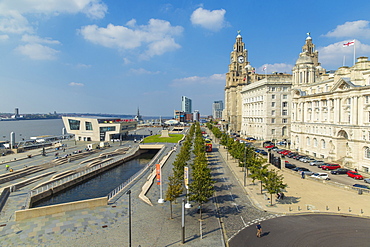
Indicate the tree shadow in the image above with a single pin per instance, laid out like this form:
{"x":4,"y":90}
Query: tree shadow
{"x":223,"y":186}
{"x":225,"y":198}
{"x":289,"y":200}
{"x":224,"y":211}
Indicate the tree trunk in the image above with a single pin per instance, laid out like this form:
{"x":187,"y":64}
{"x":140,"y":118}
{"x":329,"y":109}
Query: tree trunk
{"x":271,"y":199}
{"x":261,"y":186}
{"x":171,"y":210}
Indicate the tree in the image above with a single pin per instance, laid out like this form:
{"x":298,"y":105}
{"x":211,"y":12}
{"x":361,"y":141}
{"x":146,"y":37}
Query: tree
{"x":174,"y":190}
{"x":259,"y":172}
{"x":274,"y":183}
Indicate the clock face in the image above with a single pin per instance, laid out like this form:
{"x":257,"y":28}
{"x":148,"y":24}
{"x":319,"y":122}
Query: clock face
{"x":241,"y":59}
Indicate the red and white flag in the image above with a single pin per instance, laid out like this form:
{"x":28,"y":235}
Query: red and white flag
{"x":349,"y":43}
{"x":264,"y":68}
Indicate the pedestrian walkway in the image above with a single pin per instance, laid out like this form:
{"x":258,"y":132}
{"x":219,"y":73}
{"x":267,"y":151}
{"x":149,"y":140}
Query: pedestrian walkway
{"x":302,"y":195}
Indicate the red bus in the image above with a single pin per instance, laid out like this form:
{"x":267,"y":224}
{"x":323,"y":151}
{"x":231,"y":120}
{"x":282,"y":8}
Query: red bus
{"x":208,"y":147}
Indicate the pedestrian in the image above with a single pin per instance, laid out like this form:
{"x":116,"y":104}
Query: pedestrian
{"x":259,"y":230}
{"x":302,"y":174}
{"x":7,"y":167}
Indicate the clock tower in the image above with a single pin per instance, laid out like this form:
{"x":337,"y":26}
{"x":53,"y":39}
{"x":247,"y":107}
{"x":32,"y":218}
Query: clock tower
{"x":237,"y":76}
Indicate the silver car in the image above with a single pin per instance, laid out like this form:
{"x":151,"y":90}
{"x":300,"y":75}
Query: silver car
{"x":316,"y":162}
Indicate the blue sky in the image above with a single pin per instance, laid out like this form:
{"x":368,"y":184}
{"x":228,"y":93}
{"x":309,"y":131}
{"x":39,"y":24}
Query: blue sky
{"x":114,"y":56}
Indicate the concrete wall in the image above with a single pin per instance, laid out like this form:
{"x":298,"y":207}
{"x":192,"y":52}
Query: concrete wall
{"x":60,"y":208}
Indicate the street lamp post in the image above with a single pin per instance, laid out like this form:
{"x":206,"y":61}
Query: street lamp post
{"x":245,"y":166}
{"x":129,"y":217}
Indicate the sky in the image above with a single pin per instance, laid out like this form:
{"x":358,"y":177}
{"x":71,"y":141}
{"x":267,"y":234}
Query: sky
{"x":115,"y":57}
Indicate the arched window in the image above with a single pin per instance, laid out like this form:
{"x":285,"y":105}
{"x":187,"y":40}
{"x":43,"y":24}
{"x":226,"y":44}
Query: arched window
{"x":315,"y":142}
{"x":308,"y":141}
{"x":367,"y":152}
{"x":323,"y":144}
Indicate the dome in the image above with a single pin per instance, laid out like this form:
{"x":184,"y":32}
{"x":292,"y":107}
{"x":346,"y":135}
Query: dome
{"x":303,"y":59}
{"x":249,"y":67}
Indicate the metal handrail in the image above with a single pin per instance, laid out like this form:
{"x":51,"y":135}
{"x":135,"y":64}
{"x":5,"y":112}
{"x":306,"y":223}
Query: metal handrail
{"x":67,"y":179}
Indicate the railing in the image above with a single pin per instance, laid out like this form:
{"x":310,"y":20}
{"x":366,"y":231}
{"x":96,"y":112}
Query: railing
{"x":122,"y":186}
{"x":72,"y":177}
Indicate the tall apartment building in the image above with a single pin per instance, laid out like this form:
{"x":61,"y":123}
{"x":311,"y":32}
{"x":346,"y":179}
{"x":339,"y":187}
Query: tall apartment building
{"x":186,"y":104}
{"x":331,"y":112}
{"x":217,"y":108}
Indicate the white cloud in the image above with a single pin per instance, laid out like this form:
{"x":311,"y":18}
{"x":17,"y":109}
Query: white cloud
{"x":4,"y":37}
{"x":157,"y":37}
{"x":13,"y":13}
{"x":76,"y":84}
{"x":212,"y":20}
{"x":333,"y":54}
{"x":142,"y":71}
{"x":351,"y":29}
{"x":83,"y":66}
{"x":276,"y":67}
{"x":37,"y":52}
{"x":36,"y":39}
{"x":215,"y":79}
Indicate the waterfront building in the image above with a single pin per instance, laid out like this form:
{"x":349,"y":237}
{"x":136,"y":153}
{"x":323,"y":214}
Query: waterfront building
{"x":179,"y":116}
{"x":249,"y":99}
{"x":98,"y":128}
{"x":196,"y":115}
{"x":266,"y":108}
{"x":331,"y":111}
{"x":186,"y":104}
{"x":217,"y":108}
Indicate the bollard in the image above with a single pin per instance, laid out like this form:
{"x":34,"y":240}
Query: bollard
{"x":299,"y":208}
{"x":349,"y":209}
{"x":338,"y":208}
{"x":362,"y":211}
{"x":308,"y":207}
{"x":290,"y":209}
{"x":327,"y":208}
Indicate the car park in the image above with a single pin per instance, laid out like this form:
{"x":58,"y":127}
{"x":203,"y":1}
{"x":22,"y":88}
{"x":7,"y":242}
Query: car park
{"x":321,"y":175}
{"x":316,"y":162}
{"x":355,"y":175}
{"x":290,"y":166}
{"x":367,"y":180}
{"x":339,"y":171}
{"x":362,"y":186}
{"x":330,"y":166}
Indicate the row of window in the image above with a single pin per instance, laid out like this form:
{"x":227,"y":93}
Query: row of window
{"x":284,"y":120}
{"x":284,"y":104}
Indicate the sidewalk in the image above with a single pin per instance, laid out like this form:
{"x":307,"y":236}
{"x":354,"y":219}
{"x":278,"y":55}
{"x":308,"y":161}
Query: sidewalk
{"x":302,"y":195}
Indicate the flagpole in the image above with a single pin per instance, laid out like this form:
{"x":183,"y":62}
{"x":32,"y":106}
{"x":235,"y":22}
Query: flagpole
{"x":354,"y":52}
{"x":344,"y":60}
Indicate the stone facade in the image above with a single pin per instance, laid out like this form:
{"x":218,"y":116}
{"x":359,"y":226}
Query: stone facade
{"x":266,"y":108}
{"x":331,"y":112}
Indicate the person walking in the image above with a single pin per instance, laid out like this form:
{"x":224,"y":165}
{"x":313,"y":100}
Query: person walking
{"x":259,"y":230}
{"x":7,"y":167}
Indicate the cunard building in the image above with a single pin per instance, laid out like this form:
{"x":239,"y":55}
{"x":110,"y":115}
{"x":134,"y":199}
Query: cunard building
{"x":331,"y":112}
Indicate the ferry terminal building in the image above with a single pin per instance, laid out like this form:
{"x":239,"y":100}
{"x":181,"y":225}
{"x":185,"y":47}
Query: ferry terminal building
{"x":98,"y":128}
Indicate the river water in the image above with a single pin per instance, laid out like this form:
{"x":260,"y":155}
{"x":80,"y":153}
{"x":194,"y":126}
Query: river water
{"x":27,"y":128}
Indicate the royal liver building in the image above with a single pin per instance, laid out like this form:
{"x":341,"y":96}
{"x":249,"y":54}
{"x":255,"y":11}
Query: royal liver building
{"x":330,"y":116}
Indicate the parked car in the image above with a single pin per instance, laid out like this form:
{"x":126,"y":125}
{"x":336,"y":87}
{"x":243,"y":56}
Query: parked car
{"x":316,"y":162}
{"x":321,"y":175}
{"x":290,"y":166}
{"x":309,"y":160}
{"x":302,"y":158}
{"x":362,"y":186}
{"x":269,"y":146}
{"x":251,"y":139}
{"x":339,"y":171}
{"x":320,"y":165}
{"x":303,"y":169}
{"x":330,"y":166}
{"x":263,"y":152}
{"x":291,"y":155}
{"x":355,"y":175}
{"x":367,"y":180}
{"x":258,"y":150}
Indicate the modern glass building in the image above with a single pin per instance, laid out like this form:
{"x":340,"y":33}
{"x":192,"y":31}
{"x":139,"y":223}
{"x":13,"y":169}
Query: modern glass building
{"x":217,"y":108}
{"x":98,"y":128}
{"x":186,"y":104}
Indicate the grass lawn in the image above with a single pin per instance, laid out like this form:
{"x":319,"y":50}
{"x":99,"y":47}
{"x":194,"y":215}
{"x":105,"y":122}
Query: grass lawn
{"x":174,"y":138}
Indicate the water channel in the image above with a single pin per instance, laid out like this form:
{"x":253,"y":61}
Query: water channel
{"x":100,"y":185}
